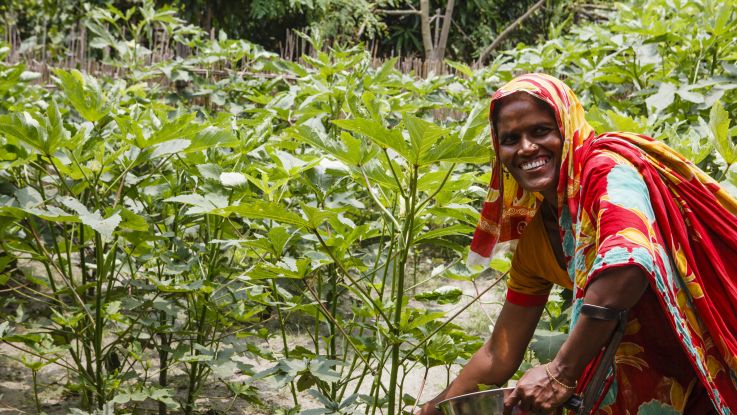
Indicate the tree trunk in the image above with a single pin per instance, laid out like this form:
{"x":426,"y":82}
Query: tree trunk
{"x":207,"y":24}
{"x":485,"y":53}
{"x":425,"y":28}
{"x":447,"y":21}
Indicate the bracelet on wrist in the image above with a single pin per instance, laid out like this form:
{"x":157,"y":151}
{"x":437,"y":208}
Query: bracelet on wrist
{"x":553,"y":378}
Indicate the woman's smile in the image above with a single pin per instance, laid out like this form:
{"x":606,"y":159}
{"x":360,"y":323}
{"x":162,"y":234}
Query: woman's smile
{"x":530,"y":143}
{"x":534,"y":164}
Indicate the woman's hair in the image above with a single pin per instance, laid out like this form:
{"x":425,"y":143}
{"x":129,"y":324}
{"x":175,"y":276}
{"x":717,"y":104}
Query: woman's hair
{"x":517,"y":95}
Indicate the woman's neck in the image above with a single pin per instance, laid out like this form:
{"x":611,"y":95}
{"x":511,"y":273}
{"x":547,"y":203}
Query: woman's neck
{"x":551,"y":198}
{"x":550,"y":207}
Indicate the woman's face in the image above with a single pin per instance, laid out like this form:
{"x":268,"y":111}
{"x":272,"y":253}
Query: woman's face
{"x":530,"y":144}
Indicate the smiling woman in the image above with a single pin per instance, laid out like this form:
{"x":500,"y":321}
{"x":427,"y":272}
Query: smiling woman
{"x":530,"y":142}
{"x":629,"y":225}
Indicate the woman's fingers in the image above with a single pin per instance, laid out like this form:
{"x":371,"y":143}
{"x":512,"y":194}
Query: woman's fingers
{"x":535,"y":393}
{"x":511,"y":401}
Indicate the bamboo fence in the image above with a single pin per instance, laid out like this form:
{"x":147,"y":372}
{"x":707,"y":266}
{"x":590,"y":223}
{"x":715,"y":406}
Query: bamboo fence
{"x":78,"y":54}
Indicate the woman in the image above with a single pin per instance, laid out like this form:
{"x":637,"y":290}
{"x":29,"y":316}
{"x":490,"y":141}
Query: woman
{"x":628,"y":224}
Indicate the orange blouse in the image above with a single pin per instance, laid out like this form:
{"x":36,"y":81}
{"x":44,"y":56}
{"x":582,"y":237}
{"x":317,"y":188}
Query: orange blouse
{"x":534,"y":267}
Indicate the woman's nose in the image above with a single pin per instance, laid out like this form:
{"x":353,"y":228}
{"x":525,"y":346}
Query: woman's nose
{"x":527,"y":146}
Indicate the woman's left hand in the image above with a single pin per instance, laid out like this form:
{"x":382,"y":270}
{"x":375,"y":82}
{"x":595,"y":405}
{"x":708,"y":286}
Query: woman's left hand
{"x":537,"y":392}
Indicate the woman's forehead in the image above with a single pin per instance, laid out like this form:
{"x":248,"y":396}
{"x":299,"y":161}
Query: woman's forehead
{"x":520,"y":98}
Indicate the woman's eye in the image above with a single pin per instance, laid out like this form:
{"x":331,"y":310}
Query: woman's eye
{"x":541,"y":130}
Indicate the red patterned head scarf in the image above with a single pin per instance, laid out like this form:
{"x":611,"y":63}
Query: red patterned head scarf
{"x":508,"y":208}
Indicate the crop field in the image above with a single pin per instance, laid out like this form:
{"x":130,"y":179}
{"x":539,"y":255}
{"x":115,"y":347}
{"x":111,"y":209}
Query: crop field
{"x":290,"y":237}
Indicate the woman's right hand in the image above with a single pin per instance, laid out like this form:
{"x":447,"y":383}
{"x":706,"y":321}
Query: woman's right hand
{"x":498,"y":358}
{"x":428,"y":409}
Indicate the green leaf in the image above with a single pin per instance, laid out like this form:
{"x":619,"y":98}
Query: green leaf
{"x":663,"y":98}
{"x":292,"y":164}
{"x":501,"y":264}
{"x":306,"y":381}
{"x":25,"y":128}
{"x":265,"y":210}
{"x":380,"y":135}
{"x":316,"y":217}
{"x":546,"y":344}
{"x":443,"y":295}
{"x":685,"y":92}
{"x":278,"y":236}
{"x":477,"y":122}
{"x":28,"y":197}
{"x":692,"y":144}
{"x":720,"y":22}
{"x":105,"y":227}
{"x":132,"y":222}
{"x":447,"y":231}
{"x":321,"y":368}
{"x":232,"y":179}
{"x":210,"y":171}
{"x":422,"y":320}
{"x":201,"y":204}
{"x":719,"y":127}
{"x":212,"y":137}
{"x":180,"y":127}
{"x":55,"y":131}
{"x":422,"y":136}
{"x":170,"y":147}
{"x":462,"y":68}
{"x":386,"y":69}
{"x":349,"y":150}
{"x":452,"y":149}
{"x":84,"y":93}
{"x":621,"y":122}
{"x":266,"y":271}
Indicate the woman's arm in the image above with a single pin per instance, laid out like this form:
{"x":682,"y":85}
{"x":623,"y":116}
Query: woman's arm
{"x":497,"y":360}
{"x":618,"y":288}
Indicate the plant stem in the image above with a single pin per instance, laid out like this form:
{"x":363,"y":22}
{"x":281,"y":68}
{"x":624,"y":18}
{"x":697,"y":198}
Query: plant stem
{"x":407,"y":236}
{"x":285,"y":343}
{"x":332,"y":300}
{"x":99,"y":320}
{"x":163,"y":360}
{"x":35,"y":391}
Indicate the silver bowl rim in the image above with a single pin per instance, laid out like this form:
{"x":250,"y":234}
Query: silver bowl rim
{"x":474,"y":395}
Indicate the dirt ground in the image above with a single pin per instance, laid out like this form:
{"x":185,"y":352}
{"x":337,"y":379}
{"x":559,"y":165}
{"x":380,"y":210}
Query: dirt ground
{"x":16,"y":386}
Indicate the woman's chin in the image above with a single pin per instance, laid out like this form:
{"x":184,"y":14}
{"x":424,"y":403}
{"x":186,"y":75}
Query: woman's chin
{"x":540,"y":186}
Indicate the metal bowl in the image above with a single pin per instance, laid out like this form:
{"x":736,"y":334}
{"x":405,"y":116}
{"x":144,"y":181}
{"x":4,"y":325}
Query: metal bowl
{"x":489,"y":402}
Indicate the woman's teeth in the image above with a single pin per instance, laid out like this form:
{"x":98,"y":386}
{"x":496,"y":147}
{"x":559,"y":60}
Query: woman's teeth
{"x":534,"y":164}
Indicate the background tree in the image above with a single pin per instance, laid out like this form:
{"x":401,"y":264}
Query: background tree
{"x":423,"y":28}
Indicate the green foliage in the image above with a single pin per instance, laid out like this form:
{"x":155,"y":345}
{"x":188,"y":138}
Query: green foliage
{"x":179,"y":226}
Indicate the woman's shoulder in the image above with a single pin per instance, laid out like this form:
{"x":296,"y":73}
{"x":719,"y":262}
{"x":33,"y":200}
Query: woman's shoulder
{"x":600,"y":161}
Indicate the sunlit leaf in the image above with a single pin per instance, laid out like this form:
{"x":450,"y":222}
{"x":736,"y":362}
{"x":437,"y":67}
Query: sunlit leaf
{"x":663,"y":98}
{"x":719,"y":126}
{"x":84,"y":93}
{"x":104,"y":226}
{"x":232,"y":179}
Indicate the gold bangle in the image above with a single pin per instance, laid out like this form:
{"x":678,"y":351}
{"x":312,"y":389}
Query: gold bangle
{"x":550,"y":375}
